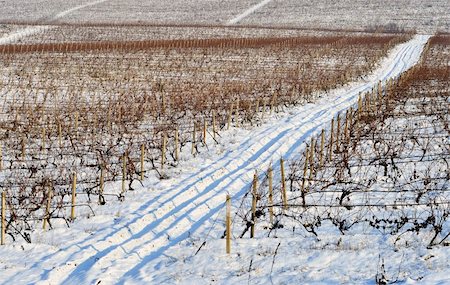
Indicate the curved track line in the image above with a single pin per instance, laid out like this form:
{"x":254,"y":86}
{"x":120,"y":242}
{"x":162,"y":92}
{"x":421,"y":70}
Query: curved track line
{"x":29,"y":31}
{"x":248,"y":12}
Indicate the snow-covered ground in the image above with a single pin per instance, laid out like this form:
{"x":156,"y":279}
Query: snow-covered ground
{"x":428,"y":16}
{"x":154,"y":235}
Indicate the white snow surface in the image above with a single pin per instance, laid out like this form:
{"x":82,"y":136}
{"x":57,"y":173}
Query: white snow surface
{"x":152,"y":237}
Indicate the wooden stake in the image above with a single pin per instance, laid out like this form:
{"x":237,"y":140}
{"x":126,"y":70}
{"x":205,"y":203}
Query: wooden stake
{"x":47,"y":209}
{"x":270,"y":174}
{"x":228,"y":224}
{"x":322,"y":144}
{"x":305,"y":169}
{"x":124,"y":171}
{"x":177,"y":149}
{"x":283,"y":184}
{"x":43,"y":139}
{"x":142,"y":161}
{"x":74,"y":189}
{"x":214,"y":124}
{"x":254,"y":197}
{"x":204,"y":130}
{"x":163,"y":151}
{"x":1,"y":157}
{"x":311,"y":159}
{"x":102,"y":179}
{"x":330,"y":148}
{"x":229,"y":117}
{"x":60,"y":135}
{"x":3,"y":222}
{"x":193,"y":141}
{"x":338,"y":132}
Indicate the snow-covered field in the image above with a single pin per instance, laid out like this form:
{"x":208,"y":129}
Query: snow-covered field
{"x":154,"y":235}
{"x":169,"y":231}
{"x":425,"y":16}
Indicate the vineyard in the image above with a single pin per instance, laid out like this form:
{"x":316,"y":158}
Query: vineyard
{"x":79,"y":118}
{"x":183,"y":145}
{"x":381,"y":168}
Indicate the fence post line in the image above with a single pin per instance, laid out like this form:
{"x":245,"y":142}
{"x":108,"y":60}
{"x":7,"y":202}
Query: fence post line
{"x":3,"y":222}
{"x":74,"y":189}
{"x":254,"y":193}
{"x":228,"y":222}
{"x":142,"y":162}
{"x":283,"y":184}
{"x":270,"y":176}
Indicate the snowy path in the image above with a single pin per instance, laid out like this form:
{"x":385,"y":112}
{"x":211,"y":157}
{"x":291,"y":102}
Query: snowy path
{"x":28,"y":31}
{"x":131,"y":249}
{"x":248,"y":12}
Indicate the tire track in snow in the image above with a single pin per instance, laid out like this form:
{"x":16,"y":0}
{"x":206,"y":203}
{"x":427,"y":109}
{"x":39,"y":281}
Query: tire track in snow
{"x":29,"y":31}
{"x":248,"y":12}
{"x":120,"y":254}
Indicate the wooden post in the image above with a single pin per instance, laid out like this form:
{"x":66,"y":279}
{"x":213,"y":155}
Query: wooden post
{"x":322,"y":143}
{"x":47,"y":209}
{"x":163,"y":151}
{"x":346,"y":127}
{"x":330,"y":148}
{"x":283,"y":184}
{"x":254,"y":197}
{"x":60,"y":135}
{"x":142,"y":162}
{"x":102,"y":179}
{"x":229,"y":117}
{"x":338,"y":132}
{"x":214,"y":124}
{"x":124,"y":171}
{"x":23,"y":148}
{"x":177,"y":148}
{"x":236,"y":115}
{"x":311,"y":159}
{"x":205,"y":124}
{"x":270,"y":176}
{"x":74,"y":189}
{"x":228,"y":224}
{"x":305,"y":169}
{"x":3,"y":222}
{"x":350,"y":122}
{"x":193,"y":141}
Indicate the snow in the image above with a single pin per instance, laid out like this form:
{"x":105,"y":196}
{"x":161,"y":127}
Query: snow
{"x":152,"y":236}
{"x":248,"y":12}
